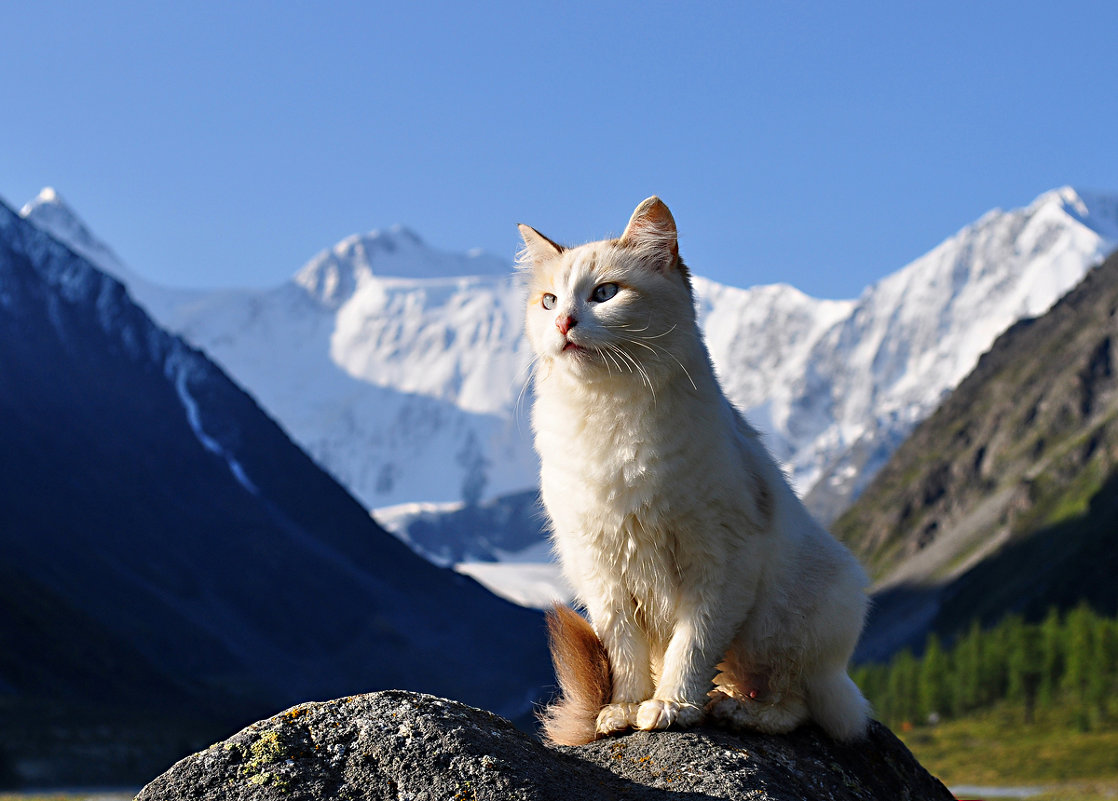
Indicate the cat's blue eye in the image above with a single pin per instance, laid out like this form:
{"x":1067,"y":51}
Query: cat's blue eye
{"x":603,"y":292}
{"x":549,"y":301}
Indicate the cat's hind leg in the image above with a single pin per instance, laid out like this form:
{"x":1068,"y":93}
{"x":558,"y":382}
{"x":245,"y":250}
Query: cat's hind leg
{"x":829,"y":697}
{"x":773,"y":715}
{"x":756,"y":697}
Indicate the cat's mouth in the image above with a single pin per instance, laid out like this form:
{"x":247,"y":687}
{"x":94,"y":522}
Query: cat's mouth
{"x":572,"y":346}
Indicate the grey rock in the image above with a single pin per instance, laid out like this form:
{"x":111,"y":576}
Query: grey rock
{"x":406,"y":746}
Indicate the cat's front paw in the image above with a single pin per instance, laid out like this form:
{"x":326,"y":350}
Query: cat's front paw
{"x":657,"y":714}
{"x":616,"y":717}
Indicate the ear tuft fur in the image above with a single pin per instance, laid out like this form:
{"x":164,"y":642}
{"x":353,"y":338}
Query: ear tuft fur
{"x":582,"y":668}
{"x":537,"y":247}
{"x":652,"y":232}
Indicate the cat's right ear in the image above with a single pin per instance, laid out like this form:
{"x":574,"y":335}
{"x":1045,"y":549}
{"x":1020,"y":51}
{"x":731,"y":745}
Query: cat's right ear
{"x":651,"y":230}
{"x":537,"y":247}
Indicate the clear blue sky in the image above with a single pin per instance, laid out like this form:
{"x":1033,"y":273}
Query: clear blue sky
{"x":820,"y":144}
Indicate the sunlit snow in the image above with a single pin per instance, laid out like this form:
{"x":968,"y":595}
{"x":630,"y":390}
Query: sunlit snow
{"x":387,"y":359}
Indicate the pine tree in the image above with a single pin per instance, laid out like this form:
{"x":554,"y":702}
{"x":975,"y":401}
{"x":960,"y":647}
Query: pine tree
{"x":902,"y":687}
{"x":933,"y":680}
{"x":1078,"y":640}
{"x":1023,"y":663}
{"x":1079,"y":630}
{"x":1051,"y":657}
{"x":967,"y":659}
{"x":1100,"y":668}
{"x":992,"y":666}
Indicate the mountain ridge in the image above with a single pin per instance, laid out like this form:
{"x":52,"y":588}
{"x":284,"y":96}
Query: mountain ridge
{"x":835,"y":385}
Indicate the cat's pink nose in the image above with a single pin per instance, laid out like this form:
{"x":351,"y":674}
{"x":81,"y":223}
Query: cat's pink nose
{"x":565,"y":322}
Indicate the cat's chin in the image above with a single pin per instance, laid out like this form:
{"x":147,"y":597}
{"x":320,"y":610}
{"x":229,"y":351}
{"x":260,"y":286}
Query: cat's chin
{"x":571,"y":351}
{"x":577,"y":359}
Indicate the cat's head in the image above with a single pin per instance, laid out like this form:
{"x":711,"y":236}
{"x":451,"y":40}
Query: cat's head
{"x":611,"y":309}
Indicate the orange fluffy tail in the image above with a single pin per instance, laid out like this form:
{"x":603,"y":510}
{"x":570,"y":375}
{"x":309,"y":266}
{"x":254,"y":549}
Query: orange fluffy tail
{"x":582,"y":668}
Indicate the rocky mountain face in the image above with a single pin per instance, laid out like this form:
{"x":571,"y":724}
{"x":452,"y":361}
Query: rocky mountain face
{"x":396,"y":745}
{"x":402,"y":370}
{"x":169,"y":552}
{"x":912,"y":337}
{"x":1006,"y":498}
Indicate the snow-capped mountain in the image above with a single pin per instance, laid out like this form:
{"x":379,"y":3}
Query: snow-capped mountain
{"x":169,"y":551}
{"x":402,"y":369}
{"x":913,"y":336}
{"x":395,"y":366}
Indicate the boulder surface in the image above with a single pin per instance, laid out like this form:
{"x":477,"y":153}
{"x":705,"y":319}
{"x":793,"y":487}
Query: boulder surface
{"x":407,"y":746}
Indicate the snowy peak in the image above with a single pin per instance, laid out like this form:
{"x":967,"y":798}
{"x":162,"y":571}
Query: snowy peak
{"x":335,"y":274}
{"x":51,"y":214}
{"x":47,"y":196}
{"x":1096,"y":211}
{"x":915,"y":334}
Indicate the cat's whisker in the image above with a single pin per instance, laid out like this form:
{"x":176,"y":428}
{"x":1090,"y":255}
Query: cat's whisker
{"x":622,"y":361}
{"x":684,"y":369}
{"x":657,"y":336}
{"x":671,"y":356}
{"x":524,"y":388}
{"x":625,"y":327}
{"x":609,"y":358}
{"x":647,"y":325}
{"x":633,"y":362}
{"x":628,"y":362}
{"x":640,"y":344}
{"x":637,"y":367}
{"x":653,"y":336}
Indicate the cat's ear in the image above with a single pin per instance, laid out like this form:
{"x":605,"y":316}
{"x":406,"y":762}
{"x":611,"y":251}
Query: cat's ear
{"x":652,"y":230}
{"x":537,"y":247}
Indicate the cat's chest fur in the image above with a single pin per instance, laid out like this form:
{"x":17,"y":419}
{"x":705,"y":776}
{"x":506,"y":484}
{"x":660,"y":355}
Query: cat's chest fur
{"x":646,"y":496}
{"x":634,"y":478}
{"x":618,"y":455}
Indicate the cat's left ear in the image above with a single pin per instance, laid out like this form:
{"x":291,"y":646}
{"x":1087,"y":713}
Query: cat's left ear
{"x":652,"y":229}
{"x":537,"y":247}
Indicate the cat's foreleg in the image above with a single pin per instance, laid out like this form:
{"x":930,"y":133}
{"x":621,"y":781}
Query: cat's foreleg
{"x":697,"y":643}
{"x":629,"y":657}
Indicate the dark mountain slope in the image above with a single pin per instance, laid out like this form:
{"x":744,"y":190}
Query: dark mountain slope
{"x":165,"y":542}
{"x":1005,"y":498}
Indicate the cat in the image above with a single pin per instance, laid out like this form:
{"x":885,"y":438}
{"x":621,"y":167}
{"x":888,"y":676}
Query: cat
{"x":710,"y":589}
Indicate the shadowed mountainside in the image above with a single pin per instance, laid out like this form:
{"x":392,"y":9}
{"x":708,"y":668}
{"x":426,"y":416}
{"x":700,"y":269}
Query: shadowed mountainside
{"x":1005,"y":499}
{"x":169,"y":551}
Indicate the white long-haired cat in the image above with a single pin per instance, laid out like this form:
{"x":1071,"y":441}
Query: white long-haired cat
{"x":709,"y":586}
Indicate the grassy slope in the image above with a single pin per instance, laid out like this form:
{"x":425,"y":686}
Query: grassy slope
{"x":996,"y":748}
